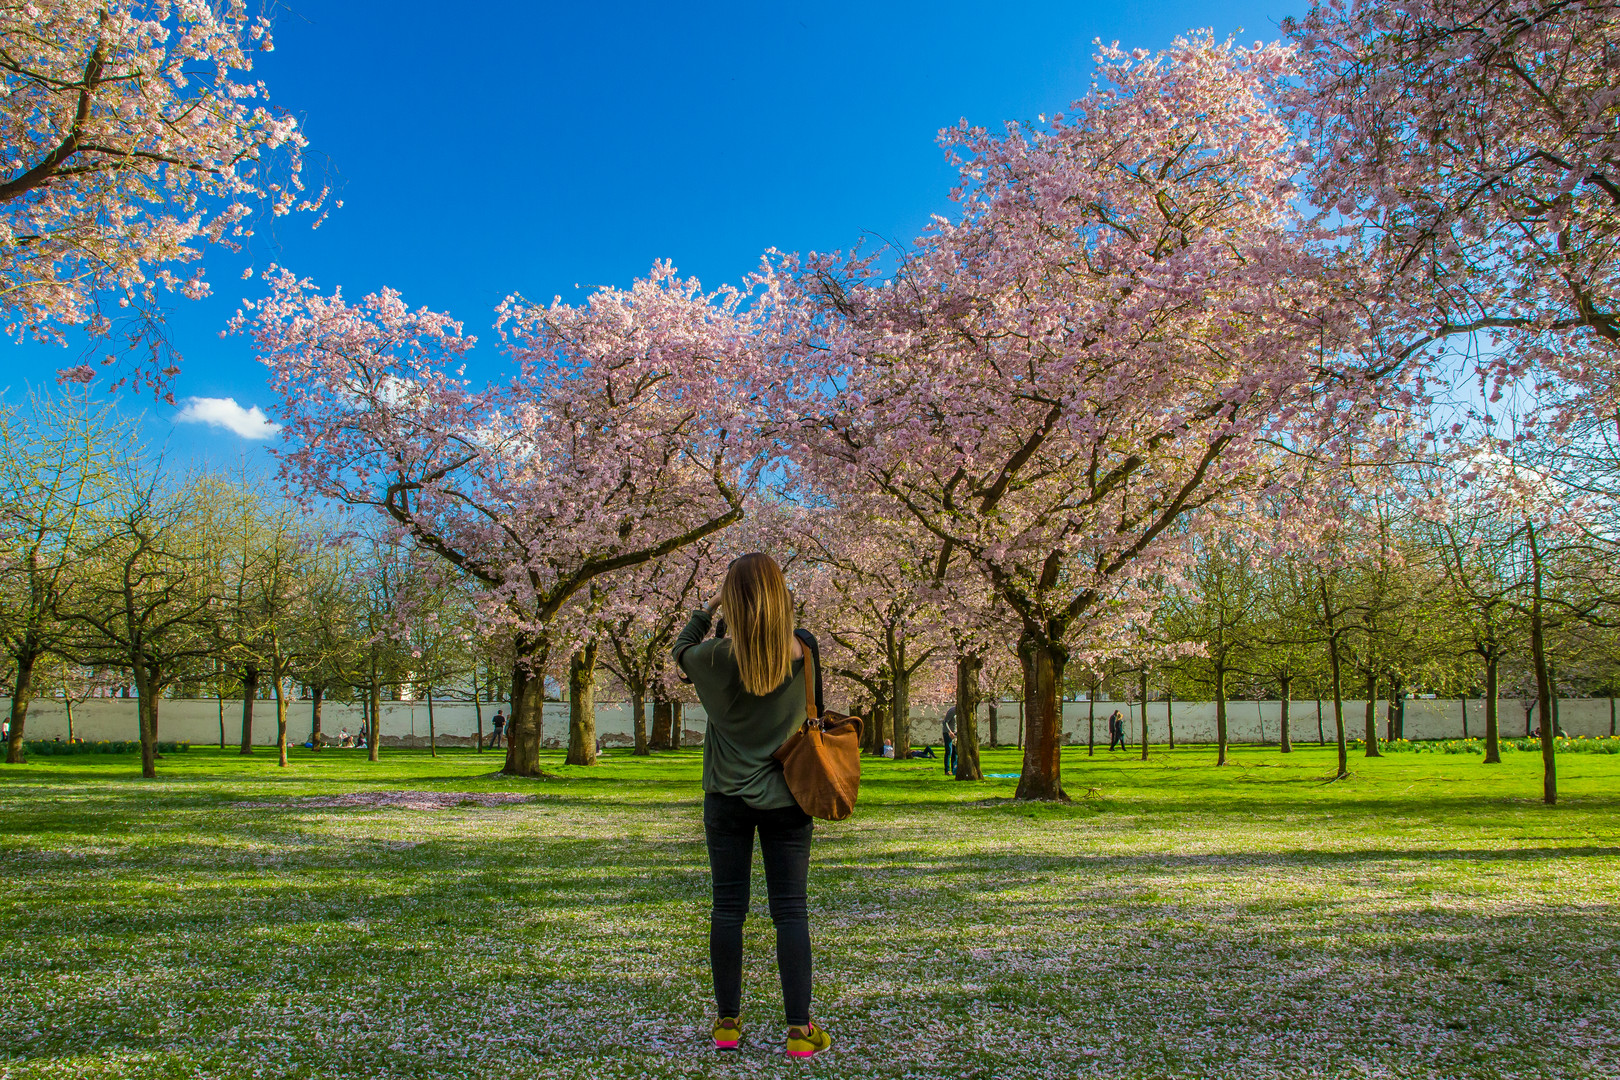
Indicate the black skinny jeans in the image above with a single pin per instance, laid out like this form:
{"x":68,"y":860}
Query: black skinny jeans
{"x":729,"y":824}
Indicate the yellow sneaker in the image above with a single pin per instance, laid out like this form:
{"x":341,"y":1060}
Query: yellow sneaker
{"x":803,"y":1042}
{"x":727,"y":1033}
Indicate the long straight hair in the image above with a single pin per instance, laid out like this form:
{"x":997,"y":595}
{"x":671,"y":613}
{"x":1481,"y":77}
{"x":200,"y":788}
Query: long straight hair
{"x":759,"y":620}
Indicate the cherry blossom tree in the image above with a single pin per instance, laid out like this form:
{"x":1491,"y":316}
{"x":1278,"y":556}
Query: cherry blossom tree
{"x":132,"y":139}
{"x":626,"y":434}
{"x":1116,"y":335}
{"x":869,"y":576}
{"x":1471,"y":148}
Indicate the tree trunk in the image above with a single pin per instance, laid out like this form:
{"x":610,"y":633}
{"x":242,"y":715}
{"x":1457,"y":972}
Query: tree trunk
{"x":433,"y":735}
{"x":1143,"y":705}
{"x":21,"y":695}
{"x":1372,"y":715}
{"x":1493,"y":740}
{"x":1538,"y":655}
{"x":318,"y":695}
{"x":1042,"y":664}
{"x":1091,"y":721}
{"x":1611,"y":716}
{"x":250,"y":690}
{"x":281,"y":718}
{"x":582,"y":706}
{"x":992,"y":714}
{"x":1338,"y":707}
{"x":1170,"y":718}
{"x":1465,"y":715}
{"x":146,"y":711}
{"x":1552,"y":683}
{"x":219,"y":699}
{"x":67,"y":703}
{"x":1321,"y":737}
{"x":677,"y":723}
{"x":638,"y":719}
{"x":880,"y":720}
{"x":1285,"y":738}
{"x":478,"y":712}
{"x":900,"y":706}
{"x":661,"y":724}
{"x":374,"y":736}
{"x":967,"y":717}
{"x":1220,"y":713}
{"x":1021,"y":711}
{"x":525,"y":728}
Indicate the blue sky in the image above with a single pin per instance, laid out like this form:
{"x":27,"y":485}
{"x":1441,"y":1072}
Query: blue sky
{"x":535,"y":147}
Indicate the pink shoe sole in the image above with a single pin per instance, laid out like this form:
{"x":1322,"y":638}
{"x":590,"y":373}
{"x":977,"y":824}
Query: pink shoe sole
{"x":720,"y":1044}
{"x":801,"y":1053}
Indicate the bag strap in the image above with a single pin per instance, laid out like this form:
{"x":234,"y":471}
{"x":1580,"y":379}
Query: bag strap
{"x":809,"y":684}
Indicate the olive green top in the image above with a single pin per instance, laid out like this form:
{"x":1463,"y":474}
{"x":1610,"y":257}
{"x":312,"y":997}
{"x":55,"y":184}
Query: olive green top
{"x":744,"y":730}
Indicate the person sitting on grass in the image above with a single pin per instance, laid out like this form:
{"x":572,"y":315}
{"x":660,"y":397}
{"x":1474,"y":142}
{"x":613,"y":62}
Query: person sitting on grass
{"x":752,"y":685}
{"x":888,"y":748}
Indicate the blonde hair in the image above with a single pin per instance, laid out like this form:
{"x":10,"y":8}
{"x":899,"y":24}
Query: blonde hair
{"x":759,"y":620}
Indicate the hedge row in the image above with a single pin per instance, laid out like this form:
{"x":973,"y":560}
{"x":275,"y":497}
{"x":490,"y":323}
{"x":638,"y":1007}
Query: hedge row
{"x":44,"y":748}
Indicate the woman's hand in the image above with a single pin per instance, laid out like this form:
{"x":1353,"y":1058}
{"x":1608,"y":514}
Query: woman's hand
{"x":714,"y":604}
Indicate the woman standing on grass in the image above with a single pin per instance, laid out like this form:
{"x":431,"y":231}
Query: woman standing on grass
{"x":751,"y":683}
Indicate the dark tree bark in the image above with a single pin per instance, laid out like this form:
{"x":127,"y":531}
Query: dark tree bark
{"x":1493,"y":741}
{"x":638,"y":721}
{"x":900,"y":700}
{"x":219,"y":699}
{"x":582,"y":706}
{"x":1538,"y":655}
{"x":992,"y":714}
{"x":1042,"y":664}
{"x":250,"y":690}
{"x":1220,"y":713}
{"x":526,"y":727}
{"x":374,"y":736}
{"x":1372,"y":715}
{"x":1170,"y":718}
{"x":1552,"y":682}
{"x":281,"y":716}
{"x":1091,"y":720}
{"x":967,"y":717}
{"x":1144,"y":715}
{"x":1465,"y":715}
{"x":1338,"y":705}
{"x":433,"y":735}
{"x":1285,"y":737}
{"x":22,"y":693}
{"x":662,"y":722}
{"x":316,"y":695}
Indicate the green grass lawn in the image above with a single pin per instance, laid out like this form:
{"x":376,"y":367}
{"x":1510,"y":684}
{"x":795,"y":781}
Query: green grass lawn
{"x":1426,"y":918}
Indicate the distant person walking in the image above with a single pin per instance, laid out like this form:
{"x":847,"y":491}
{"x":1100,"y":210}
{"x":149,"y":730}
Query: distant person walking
{"x":947,"y":731}
{"x":752,"y":687}
{"x":498,"y":723}
{"x":1116,"y":731}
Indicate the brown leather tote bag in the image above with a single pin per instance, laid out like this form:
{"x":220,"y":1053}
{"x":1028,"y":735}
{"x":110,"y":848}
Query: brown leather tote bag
{"x":822,"y":760}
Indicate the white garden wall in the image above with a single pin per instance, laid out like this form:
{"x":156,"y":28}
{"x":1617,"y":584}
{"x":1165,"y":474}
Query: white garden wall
{"x":198,"y":721}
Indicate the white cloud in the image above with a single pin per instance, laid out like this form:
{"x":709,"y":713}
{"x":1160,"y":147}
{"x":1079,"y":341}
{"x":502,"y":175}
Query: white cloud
{"x":250,"y":423}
